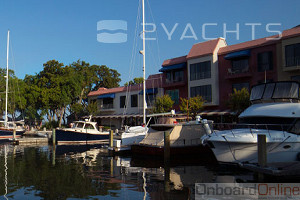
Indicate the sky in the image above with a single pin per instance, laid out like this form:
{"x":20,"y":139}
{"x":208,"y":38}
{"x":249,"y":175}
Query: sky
{"x":66,"y":30}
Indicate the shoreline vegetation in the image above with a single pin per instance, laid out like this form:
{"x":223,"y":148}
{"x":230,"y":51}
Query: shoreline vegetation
{"x":56,"y":91}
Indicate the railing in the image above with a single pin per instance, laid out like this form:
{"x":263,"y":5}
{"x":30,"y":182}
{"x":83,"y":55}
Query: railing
{"x":252,"y":127}
{"x":232,"y":71}
{"x":293,"y":61}
{"x":107,"y":106}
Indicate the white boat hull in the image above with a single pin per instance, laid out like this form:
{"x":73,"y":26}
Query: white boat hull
{"x":242,"y":146}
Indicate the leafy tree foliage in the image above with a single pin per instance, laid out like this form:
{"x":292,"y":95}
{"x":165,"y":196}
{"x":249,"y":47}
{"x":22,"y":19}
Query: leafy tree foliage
{"x":192,"y":105}
{"x":135,"y":81}
{"x":239,"y":100}
{"x":163,"y":104}
{"x":57,"y":90}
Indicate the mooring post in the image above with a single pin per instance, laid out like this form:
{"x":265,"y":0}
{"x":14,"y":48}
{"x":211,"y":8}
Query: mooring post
{"x":167,"y":160}
{"x":14,"y":134}
{"x":53,"y":137}
{"x":111,"y":138}
{"x":262,"y":150}
{"x":261,"y":154}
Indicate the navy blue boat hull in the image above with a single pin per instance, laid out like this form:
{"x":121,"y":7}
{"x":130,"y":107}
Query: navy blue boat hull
{"x":8,"y":134}
{"x":73,"y":137}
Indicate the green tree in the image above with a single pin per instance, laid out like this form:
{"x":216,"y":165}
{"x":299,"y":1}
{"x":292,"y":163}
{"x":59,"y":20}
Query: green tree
{"x":163,"y":104}
{"x":239,"y":100}
{"x":192,"y":105}
{"x":135,"y":81}
{"x":55,"y":82}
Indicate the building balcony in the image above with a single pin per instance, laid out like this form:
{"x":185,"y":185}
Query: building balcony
{"x":168,"y":83}
{"x":107,"y":107}
{"x":292,"y":64}
{"x":241,"y":73}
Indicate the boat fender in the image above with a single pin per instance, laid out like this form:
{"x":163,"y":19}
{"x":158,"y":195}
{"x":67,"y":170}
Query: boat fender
{"x":298,"y":156}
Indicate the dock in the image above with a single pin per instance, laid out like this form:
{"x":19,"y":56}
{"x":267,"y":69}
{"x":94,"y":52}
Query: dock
{"x":31,"y":140}
{"x":33,"y":137}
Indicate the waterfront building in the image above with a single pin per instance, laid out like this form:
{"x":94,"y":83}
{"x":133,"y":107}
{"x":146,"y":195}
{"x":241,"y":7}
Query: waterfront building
{"x":124,"y":105}
{"x":203,"y":71}
{"x":175,"y":79}
{"x":288,"y":50}
{"x":211,"y":69}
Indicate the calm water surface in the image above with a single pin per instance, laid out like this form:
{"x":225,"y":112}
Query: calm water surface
{"x":89,"y":172}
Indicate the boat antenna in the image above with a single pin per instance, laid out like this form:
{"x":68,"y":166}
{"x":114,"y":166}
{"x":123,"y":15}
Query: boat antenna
{"x":144,"y":66}
{"x":6,"y":92}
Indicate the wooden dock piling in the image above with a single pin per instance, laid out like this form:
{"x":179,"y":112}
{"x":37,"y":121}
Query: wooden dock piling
{"x":111,"y":138}
{"x":167,"y":160}
{"x":53,"y":137}
{"x":262,"y":150}
{"x":14,"y":134}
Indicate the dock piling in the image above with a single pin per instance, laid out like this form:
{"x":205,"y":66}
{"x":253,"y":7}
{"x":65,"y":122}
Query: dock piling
{"x":111,"y":138}
{"x":14,"y":134}
{"x":262,"y":150}
{"x":53,"y":137}
{"x":167,"y":160}
{"x":261,"y":154}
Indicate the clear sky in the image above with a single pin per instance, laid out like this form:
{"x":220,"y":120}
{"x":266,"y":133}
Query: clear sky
{"x":66,"y":30}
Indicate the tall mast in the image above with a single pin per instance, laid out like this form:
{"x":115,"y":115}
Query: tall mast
{"x":6,"y":92}
{"x":144,"y":67}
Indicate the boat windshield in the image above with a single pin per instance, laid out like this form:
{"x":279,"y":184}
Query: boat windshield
{"x":89,"y":126}
{"x":80,"y":125}
{"x":275,"y":91}
{"x":270,"y":123}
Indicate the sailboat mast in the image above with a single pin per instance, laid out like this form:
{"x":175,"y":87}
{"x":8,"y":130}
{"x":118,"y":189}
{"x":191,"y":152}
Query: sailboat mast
{"x":144,"y":67}
{"x":6,"y":92}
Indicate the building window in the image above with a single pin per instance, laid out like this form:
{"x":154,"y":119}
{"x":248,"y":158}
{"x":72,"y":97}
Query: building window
{"x":108,"y":103}
{"x":240,"y":65}
{"x":150,"y":99}
{"x":292,"y":55}
{"x":265,"y":61}
{"x":122,"y":101}
{"x":239,"y":86}
{"x":134,"y":100}
{"x":204,"y":91}
{"x":174,"y":76}
{"x":174,"y":94}
{"x":200,"y":70}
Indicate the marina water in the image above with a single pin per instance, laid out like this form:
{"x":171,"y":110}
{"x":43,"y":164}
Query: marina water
{"x":91,"y":172}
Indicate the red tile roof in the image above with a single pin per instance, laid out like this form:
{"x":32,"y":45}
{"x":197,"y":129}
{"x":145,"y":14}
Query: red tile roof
{"x":153,"y":81}
{"x":203,"y":48}
{"x":260,"y":42}
{"x":173,"y":61}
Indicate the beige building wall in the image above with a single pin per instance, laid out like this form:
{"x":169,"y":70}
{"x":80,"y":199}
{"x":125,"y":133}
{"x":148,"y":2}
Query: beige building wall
{"x":214,"y":80}
{"x":286,"y":73}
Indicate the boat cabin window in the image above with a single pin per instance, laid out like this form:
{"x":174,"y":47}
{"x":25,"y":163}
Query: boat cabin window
{"x":89,"y":126}
{"x":271,"y":123}
{"x":80,"y":125}
{"x":296,"y":127}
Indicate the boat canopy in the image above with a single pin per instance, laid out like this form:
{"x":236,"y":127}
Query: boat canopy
{"x":275,"y":91}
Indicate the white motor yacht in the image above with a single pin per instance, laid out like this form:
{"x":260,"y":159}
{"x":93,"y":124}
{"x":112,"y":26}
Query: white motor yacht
{"x":275,"y":112}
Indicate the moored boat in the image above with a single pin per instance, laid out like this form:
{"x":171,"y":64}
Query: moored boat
{"x":7,"y":128}
{"x":275,"y":113}
{"x":82,"y":132}
{"x":185,"y":139}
